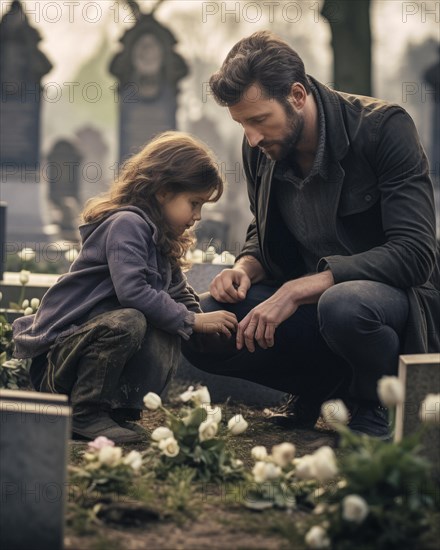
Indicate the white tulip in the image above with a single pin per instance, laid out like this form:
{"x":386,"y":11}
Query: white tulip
{"x":35,"y":302}
{"x":169,"y":447}
{"x":197,"y":256}
{"x":237,"y":424}
{"x":354,"y":508}
{"x":430,"y":409}
{"x":217,"y":259}
{"x":305,"y":467}
{"x":133,"y":459}
{"x":210,"y":254}
{"x":26,"y":254}
{"x":317,"y":538}
{"x":207,"y":430}
{"x":28,"y":311}
{"x":213,"y":413}
{"x":228,"y":258}
{"x":71,"y":254}
{"x":265,"y":471}
{"x":110,"y":456}
{"x":259,"y":452}
{"x":390,"y":390}
{"x":24,"y":277}
{"x":283,"y":454}
{"x":161,"y":433}
{"x":152,"y":401}
{"x":186,"y":395}
{"x":201,"y":396}
{"x":25,"y":304}
{"x":334,"y":412}
{"x":325,"y":464}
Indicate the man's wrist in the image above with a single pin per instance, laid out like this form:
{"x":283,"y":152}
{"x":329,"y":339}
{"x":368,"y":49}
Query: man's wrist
{"x":308,"y":290}
{"x":251,"y":267}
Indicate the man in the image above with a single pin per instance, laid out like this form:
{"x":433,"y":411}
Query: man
{"x":339,"y":273}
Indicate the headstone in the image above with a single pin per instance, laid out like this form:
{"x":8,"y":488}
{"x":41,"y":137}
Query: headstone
{"x":22,"y":66}
{"x":34,"y":430}
{"x":148,"y":70}
{"x":214,"y":233}
{"x":63,"y":174}
{"x":420,"y":375}
{"x":94,"y":150}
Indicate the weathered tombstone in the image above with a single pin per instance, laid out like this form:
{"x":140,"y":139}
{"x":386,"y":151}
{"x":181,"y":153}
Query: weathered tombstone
{"x":420,"y":375}
{"x":148,"y":70}
{"x":63,"y":174}
{"x":94,"y":151}
{"x":22,"y":66}
{"x":214,"y":233}
{"x":34,"y":430}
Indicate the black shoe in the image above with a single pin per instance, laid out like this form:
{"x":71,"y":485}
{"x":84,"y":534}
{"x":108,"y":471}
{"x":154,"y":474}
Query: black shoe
{"x":296,"y":412}
{"x":370,"y":418}
{"x":89,"y":428}
{"x":126,"y":418}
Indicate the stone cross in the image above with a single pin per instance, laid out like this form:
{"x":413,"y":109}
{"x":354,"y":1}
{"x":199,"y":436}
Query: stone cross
{"x":34,"y":430}
{"x":420,"y":375}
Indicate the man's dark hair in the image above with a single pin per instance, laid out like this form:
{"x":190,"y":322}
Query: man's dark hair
{"x":262,"y":59}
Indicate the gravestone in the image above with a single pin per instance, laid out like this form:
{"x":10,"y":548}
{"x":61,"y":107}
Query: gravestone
{"x":94,"y":151}
{"x":63,"y":174}
{"x":420,"y":375}
{"x":34,"y":430}
{"x":148,"y":70}
{"x":22,"y":66}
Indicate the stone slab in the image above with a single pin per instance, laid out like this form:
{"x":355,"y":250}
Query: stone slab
{"x":34,"y":431}
{"x":420,"y":375}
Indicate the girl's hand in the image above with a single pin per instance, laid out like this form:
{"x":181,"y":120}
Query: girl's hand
{"x":216,"y":322}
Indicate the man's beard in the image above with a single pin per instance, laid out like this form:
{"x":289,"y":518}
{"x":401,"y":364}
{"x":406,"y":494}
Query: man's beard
{"x":294,"y":132}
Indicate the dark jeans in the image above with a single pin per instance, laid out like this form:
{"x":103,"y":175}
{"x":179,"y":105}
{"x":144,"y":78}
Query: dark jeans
{"x":111,"y":361}
{"x":352,"y":337}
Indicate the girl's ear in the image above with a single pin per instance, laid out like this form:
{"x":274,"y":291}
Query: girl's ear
{"x":163,"y":196}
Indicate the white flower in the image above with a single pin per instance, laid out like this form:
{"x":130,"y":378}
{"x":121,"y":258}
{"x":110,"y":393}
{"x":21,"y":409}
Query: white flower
{"x":213,"y":413}
{"x":28,"y":311}
{"x":201,"y":396}
{"x":1,"y":296}
{"x":100,"y":442}
{"x":317,"y":538}
{"x":334,"y":412}
{"x":161,"y":433}
{"x":265,"y":471}
{"x":207,"y":430}
{"x":109,"y":455}
{"x":26,"y":254}
{"x":186,"y":395}
{"x":354,"y":508}
{"x":259,"y":452}
{"x":210,"y":254}
{"x":390,"y":390}
{"x":169,"y":447}
{"x":325,"y":464}
{"x":283,"y":454}
{"x":71,"y":254}
{"x":430,"y":409}
{"x":152,"y":401}
{"x":133,"y":459}
{"x":35,"y":302}
{"x":217,"y":259}
{"x":237,"y":424}
{"x":25,"y":304}
{"x":24,"y":277}
{"x":197,"y":256}
{"x":305,"y":467}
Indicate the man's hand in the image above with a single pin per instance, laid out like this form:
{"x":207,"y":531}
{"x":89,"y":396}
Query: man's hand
{"x":230,"y":286}
{"x":261,"y":322}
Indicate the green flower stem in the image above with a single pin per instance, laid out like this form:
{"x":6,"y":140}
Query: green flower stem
{"x":21,"y":297}
{"x":392,"y":418}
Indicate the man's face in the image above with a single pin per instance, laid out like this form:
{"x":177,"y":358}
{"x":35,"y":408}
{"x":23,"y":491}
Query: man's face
{"x":273,"y":126}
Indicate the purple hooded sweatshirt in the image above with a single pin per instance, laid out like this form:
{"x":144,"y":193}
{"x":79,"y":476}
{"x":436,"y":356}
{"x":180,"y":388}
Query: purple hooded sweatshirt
{"x":118,"y":264}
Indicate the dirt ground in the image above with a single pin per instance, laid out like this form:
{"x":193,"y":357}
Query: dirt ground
{"x":214,"y":519}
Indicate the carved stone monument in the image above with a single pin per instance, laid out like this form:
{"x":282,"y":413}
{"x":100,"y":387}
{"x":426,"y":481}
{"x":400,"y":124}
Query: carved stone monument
{"x":420,"y":375}
{"x":34,"y":430}
{"x":22,"y":66}
{"x":148,"y":70}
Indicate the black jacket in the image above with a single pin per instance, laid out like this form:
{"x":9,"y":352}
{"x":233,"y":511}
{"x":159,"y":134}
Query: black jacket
{"x":383,"y":209}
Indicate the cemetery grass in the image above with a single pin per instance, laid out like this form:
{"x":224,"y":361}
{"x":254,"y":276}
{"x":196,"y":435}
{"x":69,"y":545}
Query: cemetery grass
{"x":185,"y":514}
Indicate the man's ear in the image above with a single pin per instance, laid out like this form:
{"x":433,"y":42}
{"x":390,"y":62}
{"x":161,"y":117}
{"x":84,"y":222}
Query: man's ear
{"x":297,"y":96}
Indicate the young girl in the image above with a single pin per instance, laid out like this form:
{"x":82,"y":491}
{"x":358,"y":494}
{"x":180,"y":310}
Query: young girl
{"x":109,"y":330}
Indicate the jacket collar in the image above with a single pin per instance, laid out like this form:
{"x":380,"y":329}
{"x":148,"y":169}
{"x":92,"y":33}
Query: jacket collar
{"x":337,"y":137}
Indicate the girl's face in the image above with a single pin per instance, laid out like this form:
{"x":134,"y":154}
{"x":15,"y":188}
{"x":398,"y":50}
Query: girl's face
{"x":181,"y":211}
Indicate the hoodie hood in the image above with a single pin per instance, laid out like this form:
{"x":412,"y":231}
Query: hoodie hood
{"x":86,"y":229}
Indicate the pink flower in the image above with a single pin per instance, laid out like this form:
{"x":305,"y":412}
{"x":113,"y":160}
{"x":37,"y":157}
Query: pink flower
{"x":101,"y":442}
